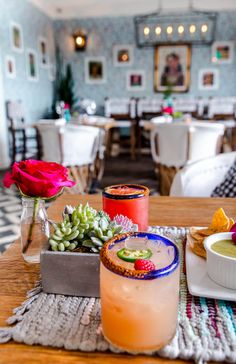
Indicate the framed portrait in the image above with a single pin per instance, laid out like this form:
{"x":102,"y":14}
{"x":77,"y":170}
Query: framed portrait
{"x":43,"y":52}
{"x":51,"y":72}
{"x":123,"y":55}
{"x":172,"y":68}
{"x":95,"y":70}
{"x":208,"y":79}
{"x":10,"y":67}
{"x":16,"y":37}
{"x":135,"y":80}
{"x":31,"y":65}
{"x":222,"y":52}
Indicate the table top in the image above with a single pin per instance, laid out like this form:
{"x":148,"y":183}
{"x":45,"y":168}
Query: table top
{"x":17,"y":277}
{"x":100,"y":122}
{"x":228,"y":124}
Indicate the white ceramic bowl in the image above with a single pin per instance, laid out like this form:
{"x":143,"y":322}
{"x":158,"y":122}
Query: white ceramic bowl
{"x":220,"y":269}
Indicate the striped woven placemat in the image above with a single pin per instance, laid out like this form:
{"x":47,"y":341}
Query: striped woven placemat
{"x":206,"y":330}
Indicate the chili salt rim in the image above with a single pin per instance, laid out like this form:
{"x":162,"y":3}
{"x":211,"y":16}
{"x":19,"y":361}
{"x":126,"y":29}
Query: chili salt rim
{"x":142,"y":191}
{"x":138,"y":274}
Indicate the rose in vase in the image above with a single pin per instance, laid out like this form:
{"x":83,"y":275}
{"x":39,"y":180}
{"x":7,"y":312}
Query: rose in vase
{"x":38,"y":180}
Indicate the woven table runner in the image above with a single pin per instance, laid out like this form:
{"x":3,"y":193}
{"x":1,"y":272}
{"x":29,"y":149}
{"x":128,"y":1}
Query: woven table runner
{"x":206,"y":330}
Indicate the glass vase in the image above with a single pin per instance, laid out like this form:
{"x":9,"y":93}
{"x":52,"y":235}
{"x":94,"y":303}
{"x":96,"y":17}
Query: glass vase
{"x":34,"y":228}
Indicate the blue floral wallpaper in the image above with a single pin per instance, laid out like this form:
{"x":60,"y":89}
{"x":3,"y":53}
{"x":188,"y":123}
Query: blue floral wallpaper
{"x":36,"y":96}
{"x":104,"y":33}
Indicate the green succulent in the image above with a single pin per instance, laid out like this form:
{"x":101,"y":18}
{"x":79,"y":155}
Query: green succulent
{"x":85,"y":227}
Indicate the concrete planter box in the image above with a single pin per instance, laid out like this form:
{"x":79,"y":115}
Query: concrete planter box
{"x":74,"y":274}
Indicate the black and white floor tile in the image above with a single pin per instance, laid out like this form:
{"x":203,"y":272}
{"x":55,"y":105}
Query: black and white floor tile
{"x":10,"y":212}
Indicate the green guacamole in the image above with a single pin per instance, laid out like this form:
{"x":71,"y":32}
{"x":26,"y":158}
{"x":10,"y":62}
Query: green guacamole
{"x":225,"y":247}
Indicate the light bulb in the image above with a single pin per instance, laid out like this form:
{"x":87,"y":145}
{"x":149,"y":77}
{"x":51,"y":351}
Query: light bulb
{"x":181,"y":29}
{"x":79,"y":40}
{"x":146,"y":31}
{"x":204,"y":28}
{"x":158,"y":30}
{"x":169,"y":30}
{"x":192,"y":28}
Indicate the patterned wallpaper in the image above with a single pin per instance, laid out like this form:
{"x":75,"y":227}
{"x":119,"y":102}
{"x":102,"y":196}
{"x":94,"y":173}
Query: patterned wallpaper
{"x":104,"y":33}
{"x":36,"y":96}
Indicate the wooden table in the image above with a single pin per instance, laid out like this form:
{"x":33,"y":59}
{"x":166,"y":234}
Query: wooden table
{"x":17,"y":277}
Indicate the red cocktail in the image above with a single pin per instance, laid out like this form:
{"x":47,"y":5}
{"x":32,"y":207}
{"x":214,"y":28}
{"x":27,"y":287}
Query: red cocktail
{"x":129,"y":200}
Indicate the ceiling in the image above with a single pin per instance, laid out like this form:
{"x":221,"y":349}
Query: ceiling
{"x":97,"y":8}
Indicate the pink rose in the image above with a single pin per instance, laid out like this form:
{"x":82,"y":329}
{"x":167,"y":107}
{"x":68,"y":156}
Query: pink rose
{"x":38,"y":178}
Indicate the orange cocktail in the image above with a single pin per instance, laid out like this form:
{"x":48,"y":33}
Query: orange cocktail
{"x":130,"y":200}
{"x":139,"y":308}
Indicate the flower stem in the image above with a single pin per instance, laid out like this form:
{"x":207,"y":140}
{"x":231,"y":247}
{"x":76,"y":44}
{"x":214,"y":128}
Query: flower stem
{"x":31,"y":228}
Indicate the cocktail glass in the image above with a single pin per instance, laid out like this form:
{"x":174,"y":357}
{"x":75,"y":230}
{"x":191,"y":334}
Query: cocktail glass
{"x":130,"y":200}
{"x":139,"y":308}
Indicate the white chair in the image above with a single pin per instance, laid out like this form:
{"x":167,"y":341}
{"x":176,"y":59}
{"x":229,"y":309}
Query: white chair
{"x":123,"y":110}
{"x":199,"y":179}
{"x":222,"y":107}
{"x":173,"y":145}
{"x":186,"y":105}
{"x":149,"y":106}
{"x":76,"y":147}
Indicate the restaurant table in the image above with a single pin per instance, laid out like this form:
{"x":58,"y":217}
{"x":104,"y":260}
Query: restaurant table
{"x":17,"y":277}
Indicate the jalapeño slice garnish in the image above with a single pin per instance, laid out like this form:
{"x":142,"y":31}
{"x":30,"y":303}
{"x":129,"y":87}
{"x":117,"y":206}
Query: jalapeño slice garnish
{"x":132,"y":255}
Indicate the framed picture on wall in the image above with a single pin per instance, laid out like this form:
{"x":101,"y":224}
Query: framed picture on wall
{"x":135,"y":80}
{"x":222,"y":52}
{"x":95,"y":70}
{"x":123,"y":55}
{"x":10,"y":67}
{"x":208,"y":79}
{"x":31,"y":65}
{"x":172,"y":68}
{"x":16,"y":37}
{"x":43,"y":52}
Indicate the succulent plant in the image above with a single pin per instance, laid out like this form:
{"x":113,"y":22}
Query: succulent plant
{"x":83,"y":227}
{"x":125,"y":222}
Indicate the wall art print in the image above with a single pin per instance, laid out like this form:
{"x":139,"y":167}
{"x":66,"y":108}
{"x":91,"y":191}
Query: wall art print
{"x":95,"y":70}
{"x":123,"y":55}
{"x":208,"y":79}
{"x":172,"y":68}
{"x":31,"y":65}
{"x":43,"y":52}
{"x":16,"y":37}
{"x":222,"y":52}
{"x":10,"y":67}
{"x":135,"y":80}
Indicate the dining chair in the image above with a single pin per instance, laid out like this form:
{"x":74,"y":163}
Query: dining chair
{"x":148,"y":108}
{"x":173,"y":145}
{"x":23,"y":137}
{"x":76,"y":147}
{"x":199,"y":179}
{"x":186,"y":105}
{"x":123,"y":110}
{"x":222,"y":108}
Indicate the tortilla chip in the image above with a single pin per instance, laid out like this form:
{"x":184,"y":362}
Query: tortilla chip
{"x":219,"y":220}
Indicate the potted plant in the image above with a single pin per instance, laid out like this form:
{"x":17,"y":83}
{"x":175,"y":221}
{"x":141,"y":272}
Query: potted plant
{"x":70,"y":261}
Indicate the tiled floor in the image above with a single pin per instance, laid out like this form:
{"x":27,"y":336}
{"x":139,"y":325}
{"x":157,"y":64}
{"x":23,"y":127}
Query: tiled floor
{"x":119,"y":169}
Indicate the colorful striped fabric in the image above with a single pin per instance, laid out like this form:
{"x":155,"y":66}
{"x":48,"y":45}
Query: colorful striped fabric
{"x":206,"y":330}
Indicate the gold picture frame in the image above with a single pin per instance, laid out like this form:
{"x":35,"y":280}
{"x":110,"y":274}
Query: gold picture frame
{"x":172,"y":67}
